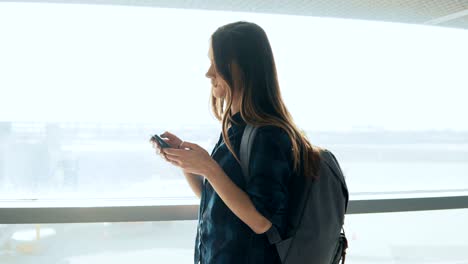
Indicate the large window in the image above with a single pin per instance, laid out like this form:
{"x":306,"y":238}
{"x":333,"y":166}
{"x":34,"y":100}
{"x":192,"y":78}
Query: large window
{"x":84,"y":86}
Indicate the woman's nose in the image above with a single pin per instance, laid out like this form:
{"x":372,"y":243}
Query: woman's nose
{"x":208,"y":73}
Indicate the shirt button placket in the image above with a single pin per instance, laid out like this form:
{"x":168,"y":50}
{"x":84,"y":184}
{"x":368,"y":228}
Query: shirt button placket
{"x":200,"y":229}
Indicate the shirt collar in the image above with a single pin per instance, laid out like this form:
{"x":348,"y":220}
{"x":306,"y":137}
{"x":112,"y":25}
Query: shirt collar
{"x":238,"y":119}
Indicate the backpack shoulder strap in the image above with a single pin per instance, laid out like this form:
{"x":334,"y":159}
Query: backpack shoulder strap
{"x":245,"y":150}
{"x":332,"y":162}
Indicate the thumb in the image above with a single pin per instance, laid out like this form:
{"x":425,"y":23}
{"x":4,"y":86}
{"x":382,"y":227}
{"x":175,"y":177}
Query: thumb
{"x":167,"y":134}
{"x":186,"y":144}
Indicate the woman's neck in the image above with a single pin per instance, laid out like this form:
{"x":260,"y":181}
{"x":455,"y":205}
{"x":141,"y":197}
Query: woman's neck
{"x":234,"y":107}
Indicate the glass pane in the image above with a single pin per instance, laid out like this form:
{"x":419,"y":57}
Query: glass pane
{"x":90,"y":160}
{"x":130,"y":242}
{"x":423,"y":237}
{"x":78,"y":105}
{"x":403,"y":238}
{"x":376,"y":162}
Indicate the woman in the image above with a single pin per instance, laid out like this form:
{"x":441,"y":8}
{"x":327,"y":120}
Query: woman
{"x":234,"y":215}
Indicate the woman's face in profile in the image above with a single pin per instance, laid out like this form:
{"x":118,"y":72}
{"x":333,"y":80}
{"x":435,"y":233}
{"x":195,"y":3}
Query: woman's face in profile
{"x":218,"y":85}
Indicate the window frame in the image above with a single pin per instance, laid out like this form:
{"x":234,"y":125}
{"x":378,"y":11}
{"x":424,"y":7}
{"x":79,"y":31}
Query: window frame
{"x":115,"y":210}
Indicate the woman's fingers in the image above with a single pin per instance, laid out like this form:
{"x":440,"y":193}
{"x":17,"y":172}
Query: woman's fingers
{"x":167,"y":134}
{"x":155,"y":144}
{"x":189,"y":145}
{"x":173,"y":160}
{"x":174,"y":151}
{"x":157,"y":147}
{"x":172,"y":139}
{"x":158,"y":150}
{"x":174,"y":163}
{"x":170,"y":157}
{"x":158,"y":153}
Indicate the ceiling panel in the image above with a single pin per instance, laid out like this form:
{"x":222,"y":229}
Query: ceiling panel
{"x":449,"y":13}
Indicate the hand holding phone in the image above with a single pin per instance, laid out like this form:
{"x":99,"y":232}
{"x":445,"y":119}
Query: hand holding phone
{"x":160,"y":141}
{"x":170,"y":140}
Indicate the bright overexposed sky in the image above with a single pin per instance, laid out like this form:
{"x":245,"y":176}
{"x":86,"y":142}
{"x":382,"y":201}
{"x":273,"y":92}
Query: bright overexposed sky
{"x":72,"y":62}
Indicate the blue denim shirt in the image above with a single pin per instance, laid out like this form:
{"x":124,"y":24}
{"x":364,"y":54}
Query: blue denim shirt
{"x":222,"y":237}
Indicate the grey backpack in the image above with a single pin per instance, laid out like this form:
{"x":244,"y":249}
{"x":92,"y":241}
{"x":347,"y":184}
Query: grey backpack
{"x":317,"y":218}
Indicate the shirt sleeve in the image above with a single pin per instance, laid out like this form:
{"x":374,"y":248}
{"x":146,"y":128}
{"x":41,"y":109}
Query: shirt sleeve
{"x":270,"y":171}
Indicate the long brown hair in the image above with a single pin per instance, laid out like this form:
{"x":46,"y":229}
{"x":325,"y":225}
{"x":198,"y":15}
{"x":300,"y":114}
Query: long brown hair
{"x":243,"y":57}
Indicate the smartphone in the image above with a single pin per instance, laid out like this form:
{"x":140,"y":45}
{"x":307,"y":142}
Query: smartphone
{"x":161,"y":142}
